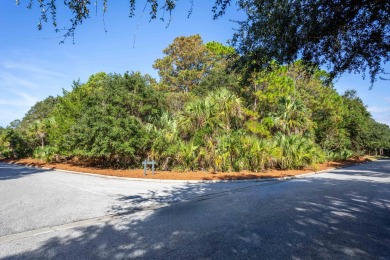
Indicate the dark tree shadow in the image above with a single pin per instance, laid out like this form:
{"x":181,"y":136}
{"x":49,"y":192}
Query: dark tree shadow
{"x":379,"y":169}
{"x":13,"y":171}
{"x":308,"y":218}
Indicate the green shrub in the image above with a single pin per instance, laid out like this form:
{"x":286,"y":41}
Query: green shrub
{"x":47,"y":153}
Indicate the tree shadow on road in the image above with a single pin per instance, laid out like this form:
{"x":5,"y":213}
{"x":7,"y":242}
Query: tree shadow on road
{"x":308,"y":218}
{"x":12,"y":171}
{"x":379,"y":169}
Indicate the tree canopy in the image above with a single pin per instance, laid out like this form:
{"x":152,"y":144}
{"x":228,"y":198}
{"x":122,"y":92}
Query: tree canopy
{"x":347,"y":36}
{"x":186,"y":62}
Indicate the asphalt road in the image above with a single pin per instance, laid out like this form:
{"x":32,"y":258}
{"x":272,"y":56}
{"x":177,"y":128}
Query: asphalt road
{"x":341,"y":214}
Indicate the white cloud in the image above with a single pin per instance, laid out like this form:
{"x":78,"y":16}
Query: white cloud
{"x":376,"y":109}
{"x":384,"y":119}
{"x":381,"y":114}
{"x":10,"y":80}
{"x":15,"y":106}
{"x":24,"y":80}
{"x":22,"y":99}
{"x":35,"y":68}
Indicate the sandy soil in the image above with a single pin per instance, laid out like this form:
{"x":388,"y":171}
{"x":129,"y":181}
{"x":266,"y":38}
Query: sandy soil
{"x":175,"y":175}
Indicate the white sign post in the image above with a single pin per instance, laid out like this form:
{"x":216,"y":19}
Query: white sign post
{"x":145,"y":163}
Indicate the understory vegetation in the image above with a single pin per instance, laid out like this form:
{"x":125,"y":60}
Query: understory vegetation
{"x":201,"y":115}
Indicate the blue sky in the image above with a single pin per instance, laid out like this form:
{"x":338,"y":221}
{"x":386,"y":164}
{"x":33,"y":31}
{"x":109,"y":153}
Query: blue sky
{"x":33,"y":65}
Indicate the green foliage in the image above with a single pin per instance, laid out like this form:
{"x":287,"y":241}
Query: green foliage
{"x":285,"y":117}
{"x":345,"y":35}
{"x":166,"y":141}
{"x":13,"y":144}
{"x":68,"y":110}
{"x":220,"y":74}
{"x":259,"y":154}
{"x":37,"y":131}
{"x":324,"y":104}
{"x":187,"y":155}
{"x":376,"y":136}
{"x":356,"y":120}
{"x":266,"y":88}
{"x":339,"y":155}
{"x":292,"y":117}
{"x":110,"y":128}
{"x":220,"y":110}
{"x":108,"y":140}
{"x":220,"y":50}
{"x":261,"y":129}
{"x":297,"y":152}
{"x":186,"y":62}
{"x":40,"y":110}
{"x":47,"y":153}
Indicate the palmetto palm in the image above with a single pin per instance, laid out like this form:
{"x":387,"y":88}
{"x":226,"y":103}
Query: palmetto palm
{"x":293,"y":117}
{"x":187,"y":155}
{"x":296,"y":151}
{"x":197,"y":115}
{"x":229,"y":150}
{"x":220,"y":110}
{"x":229,"y":106}
{"x":39,"y":128}
{"x":165,"y":140}
{"x":259,"y":154}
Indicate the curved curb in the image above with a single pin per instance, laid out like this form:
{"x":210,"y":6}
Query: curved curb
{"x":192,"y":181}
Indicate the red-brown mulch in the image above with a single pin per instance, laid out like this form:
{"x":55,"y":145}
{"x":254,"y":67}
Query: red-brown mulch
{"x":176,"y":175}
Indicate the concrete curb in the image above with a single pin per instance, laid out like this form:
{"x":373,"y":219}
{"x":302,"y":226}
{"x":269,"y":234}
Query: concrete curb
{"x":191,"y":181}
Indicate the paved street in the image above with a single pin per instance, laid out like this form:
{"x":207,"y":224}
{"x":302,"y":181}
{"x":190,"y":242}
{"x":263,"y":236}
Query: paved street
{"x":341,"y":214}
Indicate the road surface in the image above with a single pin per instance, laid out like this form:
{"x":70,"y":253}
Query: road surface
{"x":340,"y":214}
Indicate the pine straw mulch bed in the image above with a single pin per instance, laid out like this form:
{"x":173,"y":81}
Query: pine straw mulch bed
{"x":177,"y":175}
